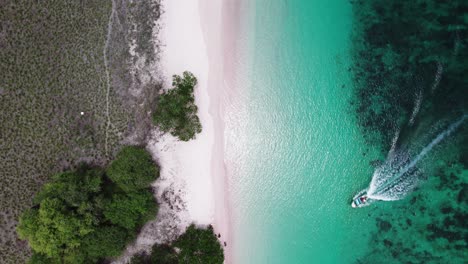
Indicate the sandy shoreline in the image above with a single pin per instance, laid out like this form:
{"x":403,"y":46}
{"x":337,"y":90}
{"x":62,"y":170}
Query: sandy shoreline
{"x":218,"y":20}
{"x":199,"y":36}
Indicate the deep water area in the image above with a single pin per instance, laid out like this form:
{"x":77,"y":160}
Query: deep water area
{"x":410,"y":63}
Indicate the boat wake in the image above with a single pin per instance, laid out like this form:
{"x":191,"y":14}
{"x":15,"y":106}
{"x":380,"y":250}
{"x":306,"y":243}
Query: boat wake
{"x":399,"y":174}
{"x":395,"y":178}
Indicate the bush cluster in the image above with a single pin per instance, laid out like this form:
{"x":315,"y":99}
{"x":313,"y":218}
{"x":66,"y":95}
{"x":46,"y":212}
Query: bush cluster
{"x":176,"y":112}
{"x":90,"y":214}
{"x":196,"y":245}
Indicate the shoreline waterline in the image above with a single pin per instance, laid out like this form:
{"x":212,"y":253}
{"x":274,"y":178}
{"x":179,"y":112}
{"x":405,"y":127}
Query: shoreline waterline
{"x":194,"y":39}
{"x":220,"y":25}
{"x":210,"y":21}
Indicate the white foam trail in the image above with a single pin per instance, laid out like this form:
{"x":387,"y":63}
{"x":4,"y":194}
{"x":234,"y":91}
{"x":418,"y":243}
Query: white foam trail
{"x":417,"y":106}
{"x":434,"y":142}
{"x":398,"y":175}
{"x":394,"y":142}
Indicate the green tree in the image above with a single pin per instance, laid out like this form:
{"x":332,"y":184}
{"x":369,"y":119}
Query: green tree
{"x":176,"y":111}
{"x":199,"y":246}
{"x":196,"y":245}
{"x":74,"y":188}
{"x":53,"y":230}
{"x":37,"y":258}
{"x":105,"y":241}
{"x":163,"y":254}
{"x":131,"y":209}
{"x":140,"y":259}
{"x":83,"y":217}
{"x":133,"y":169}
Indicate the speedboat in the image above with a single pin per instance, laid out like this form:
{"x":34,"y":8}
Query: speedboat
{"x":360,"y":201}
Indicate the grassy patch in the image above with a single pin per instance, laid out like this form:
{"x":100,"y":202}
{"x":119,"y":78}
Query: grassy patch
{"x":52,"y":59}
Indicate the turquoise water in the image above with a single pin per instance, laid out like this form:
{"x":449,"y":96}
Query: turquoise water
{"x":298,"y":154}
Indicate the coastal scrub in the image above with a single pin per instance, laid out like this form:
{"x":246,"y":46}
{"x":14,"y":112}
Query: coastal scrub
{"x":199,"y":246}
{"x":69,"y":70}
{"x":176,"y":112}
{"x":85,"y":216}
{"x":196,"y":245}
{"x":133,"y":169}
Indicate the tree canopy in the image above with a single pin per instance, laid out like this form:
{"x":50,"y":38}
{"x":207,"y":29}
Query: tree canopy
{"x":85,"y":216}
{"x":164,"y":254}
{"x":53,"y":229}
{"x":199,"y":246}
{"x":128,"y":210}
{"x":176,"y":112}
{"x":196,"y":245}
{"x":133,"y":169}
{"x":108,"y":239}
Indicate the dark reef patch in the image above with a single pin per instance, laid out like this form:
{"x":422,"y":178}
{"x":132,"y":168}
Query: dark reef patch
{"x":410,"y":64}
{"x":383,"y":225}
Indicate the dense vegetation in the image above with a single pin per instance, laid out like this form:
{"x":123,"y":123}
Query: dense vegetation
{"x":410,"y":76}
{"x":196,"y":245}
{"x":50,"y":73}
{"x":176,"y":111}
{"x":90,"y":214}
{"x":52,"y":63}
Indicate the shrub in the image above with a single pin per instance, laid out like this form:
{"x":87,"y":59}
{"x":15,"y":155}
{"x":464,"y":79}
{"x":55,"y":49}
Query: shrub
{"x":199,"y":246}
{"x":77,"y":220}
{"x":139,"y":259}
{"x":53,"y":229}
{"x":37,"y":258}
{"x":74,"y":188}
{"x":163,"y":254}
{"x":106,"y":241}
{"x":133,"y":169}
{"x":176,"y":112}
{"x":196,"y":245}
{"x":128,"y":210}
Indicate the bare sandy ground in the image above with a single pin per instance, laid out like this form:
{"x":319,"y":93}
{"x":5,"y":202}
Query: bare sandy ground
{"x":193,"y":41}
{"x":200,"y":37}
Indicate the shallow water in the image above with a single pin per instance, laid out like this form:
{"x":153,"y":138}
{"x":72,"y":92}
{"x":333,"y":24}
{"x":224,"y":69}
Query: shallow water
{"x":297,"y":153}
